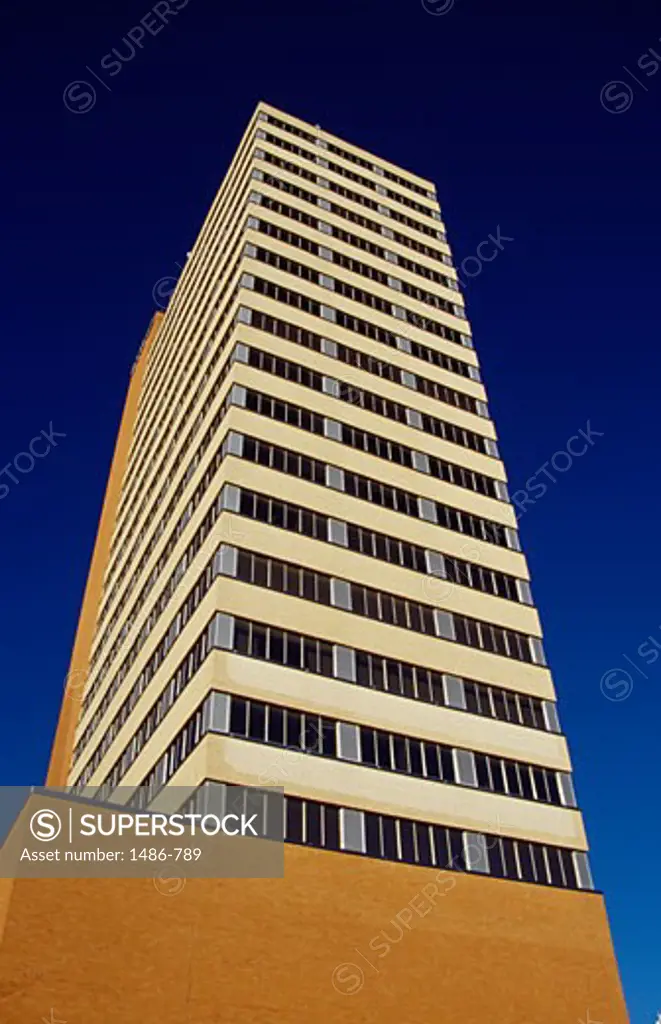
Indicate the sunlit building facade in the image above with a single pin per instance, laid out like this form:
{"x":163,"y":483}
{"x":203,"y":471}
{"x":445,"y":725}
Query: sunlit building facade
{"x":308,"y":574}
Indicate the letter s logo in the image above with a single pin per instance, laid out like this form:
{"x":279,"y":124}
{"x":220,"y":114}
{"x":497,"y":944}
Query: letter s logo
{"x":45,"y":825}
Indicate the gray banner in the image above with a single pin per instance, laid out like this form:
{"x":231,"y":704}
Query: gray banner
{"x":214,"y":831}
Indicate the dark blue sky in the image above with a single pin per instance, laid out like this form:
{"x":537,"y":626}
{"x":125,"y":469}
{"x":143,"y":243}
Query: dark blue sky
{"x":503,"y":111}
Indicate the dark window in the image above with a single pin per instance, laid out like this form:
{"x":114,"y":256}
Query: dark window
{"x":372,"y":835}
{"x":555,"y":865}
{"x":241,"y":636}
{"x":431,"y":761}
{"x":539,"y":863}
{"x":257,"y":719}
{"x":383,"y":750}
{"x":368,"y":746}
{"x":406,"y":842}
{"x":457,"y":859}
{"x":442,"y":846}
{"x":276,"y":726}
{"x":294,"y":730}
{"x":313,"y":823}
{"x":509,"y":857}
{"x":525,"y":861}
{"x":310,"y":656}
{"x":277,"y":652}
{"x":496,"y":862}
{"x":294,"y":831}
{"x":401,"y":760}
{"x":331,"y":828}
{"x":423,"y":844}
{"x":390,"y":848}
{"x":238,"y":716}
{"x":293,"y":649}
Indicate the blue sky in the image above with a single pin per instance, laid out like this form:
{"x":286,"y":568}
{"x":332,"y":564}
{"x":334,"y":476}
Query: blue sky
{"x":525,"y":125}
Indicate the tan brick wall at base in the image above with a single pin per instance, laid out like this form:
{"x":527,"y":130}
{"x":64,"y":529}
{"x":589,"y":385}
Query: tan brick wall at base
{"x":264,"y":951}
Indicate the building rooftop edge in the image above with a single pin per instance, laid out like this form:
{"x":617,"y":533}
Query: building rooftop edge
{"x":263,"y":105}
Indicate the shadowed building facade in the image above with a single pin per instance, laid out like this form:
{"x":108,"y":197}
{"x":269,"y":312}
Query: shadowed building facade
{"x":308,"y":574}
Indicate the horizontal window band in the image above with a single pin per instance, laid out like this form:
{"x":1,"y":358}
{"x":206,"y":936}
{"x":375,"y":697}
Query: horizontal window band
{"x":368,"y":832}
{"x":338,"y":316}
{"x":346,"y":290}
{"x":356,"y":324}
{"x":345,"y":154}
{"x":208,"y":302}
{"x":443,"y":515}
{"x":443,"y":847}
{"x":361,"y":242}
{"x":369,"y":443}
{"x":381,"y":335}
{"x":360,"y":179}
{"x":319,"y":735}
{"x":175,"y":578}
{"x":204,"y":310}
{"x":443,"y":568}
{"x":343,"y":192}
{"x":186,"y":670}
{"x":353,"y":218}
{"x":319,"y":657}
{"x":134,"y":537}
{"x":307,"y":584}
{"x":295,"y":650}
{"x":162,"y":524}
{"x":383,"y":277}
{"x":362,"y":361}
{"x":208,"y":268}
{"x":368,"y":401}
{"x":395,"y":499}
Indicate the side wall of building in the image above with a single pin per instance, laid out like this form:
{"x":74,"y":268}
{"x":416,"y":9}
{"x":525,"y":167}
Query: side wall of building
{"x":79,"y":666}
{"x":341,"y":939}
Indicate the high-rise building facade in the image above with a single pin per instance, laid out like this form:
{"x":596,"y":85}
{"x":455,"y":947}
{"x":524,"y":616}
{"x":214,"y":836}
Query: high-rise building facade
{"x":308,"y":574}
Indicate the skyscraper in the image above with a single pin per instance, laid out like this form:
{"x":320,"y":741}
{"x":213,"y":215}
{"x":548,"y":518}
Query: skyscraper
{"x":308,"y":574}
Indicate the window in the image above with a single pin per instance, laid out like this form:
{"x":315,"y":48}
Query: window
{"x":383,"y":836}
{"x":378,"y":446}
